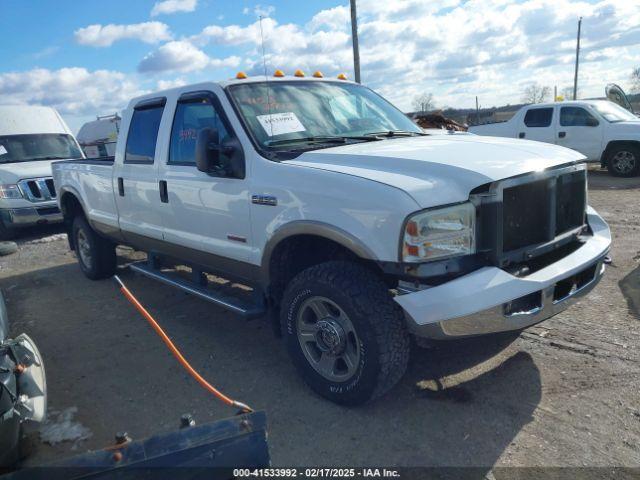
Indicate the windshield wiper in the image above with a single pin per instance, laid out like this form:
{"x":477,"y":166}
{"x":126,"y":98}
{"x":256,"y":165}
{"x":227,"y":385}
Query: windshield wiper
{"x":321,"y":139}
{"x":396,"y":133}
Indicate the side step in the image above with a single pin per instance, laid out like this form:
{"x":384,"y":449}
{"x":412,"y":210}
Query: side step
{"x":246,"y":304}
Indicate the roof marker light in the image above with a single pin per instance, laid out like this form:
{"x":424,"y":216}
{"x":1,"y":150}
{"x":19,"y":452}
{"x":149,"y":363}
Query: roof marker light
{"x":318,"y":74}
{"x":278,"y":73}
{"x":342,"y":76}
{"x":241,"y":75}
{"x":299,"y":73}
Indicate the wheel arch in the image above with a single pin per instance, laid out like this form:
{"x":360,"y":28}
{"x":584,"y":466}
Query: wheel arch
{"x":616,"y":143}
{"x":71,"y":206}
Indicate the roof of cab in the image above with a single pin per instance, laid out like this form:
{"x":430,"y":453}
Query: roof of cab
{"x":30,"y":119}
{"x":234,"y":81}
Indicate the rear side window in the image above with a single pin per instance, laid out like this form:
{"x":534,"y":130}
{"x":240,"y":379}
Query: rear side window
{"x":538,"y":117}
{"x":143,"y":134}
{"x":576,"y":117}
{"x":189,"y":119}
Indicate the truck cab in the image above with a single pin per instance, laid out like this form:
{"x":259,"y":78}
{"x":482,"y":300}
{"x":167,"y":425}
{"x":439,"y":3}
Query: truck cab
{"x":31,"y":139}
{"x":599,"y":129}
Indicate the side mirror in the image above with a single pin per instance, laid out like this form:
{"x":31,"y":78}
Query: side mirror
{"x":223,"y":159}
{"x":592,"y":122}
{"x":207,"y":158}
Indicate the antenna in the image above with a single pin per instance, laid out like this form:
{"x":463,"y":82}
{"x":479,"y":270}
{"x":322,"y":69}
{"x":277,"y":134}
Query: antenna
{"x":266,"y":78}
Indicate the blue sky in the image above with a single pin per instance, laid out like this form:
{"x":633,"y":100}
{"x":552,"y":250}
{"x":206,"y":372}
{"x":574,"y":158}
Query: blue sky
{"x":89,"y":57}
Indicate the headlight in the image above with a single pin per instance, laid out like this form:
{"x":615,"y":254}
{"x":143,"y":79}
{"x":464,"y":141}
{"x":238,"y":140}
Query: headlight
{"x":440,"y":233}
{"x":10,"y":191}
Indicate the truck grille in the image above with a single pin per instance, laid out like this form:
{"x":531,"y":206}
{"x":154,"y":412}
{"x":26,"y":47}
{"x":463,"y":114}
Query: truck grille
{"x":38,"y":189}
{"x":537,"y":212}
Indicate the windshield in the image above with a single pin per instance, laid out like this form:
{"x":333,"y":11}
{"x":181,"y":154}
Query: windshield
{"x":41,"y":146}
{"x":296,"y":114}
{"x":614,"y":113}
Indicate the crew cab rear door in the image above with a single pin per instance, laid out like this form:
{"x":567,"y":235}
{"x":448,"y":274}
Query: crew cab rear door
{"x":208,"y":213}
{"x":538,"y":124}
{"x":136,"y":174}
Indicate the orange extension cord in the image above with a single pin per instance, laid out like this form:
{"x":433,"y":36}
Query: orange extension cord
{"x":176,"y":353}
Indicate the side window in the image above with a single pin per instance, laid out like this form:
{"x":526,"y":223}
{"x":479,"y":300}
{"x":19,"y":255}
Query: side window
{"x":189,"y":119}
{"x":143,"y":134}
{"x":577,"y":117}
{"x":538,"y":117}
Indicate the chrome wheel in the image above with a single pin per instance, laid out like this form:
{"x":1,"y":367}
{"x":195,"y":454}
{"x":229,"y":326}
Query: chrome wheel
{"x":84,"y":248}
{"x":623,"y":162}
{"x":328,"y":339}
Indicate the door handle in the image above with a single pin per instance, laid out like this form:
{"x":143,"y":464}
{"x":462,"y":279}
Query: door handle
{"x":562,"y":134}
{"x":164,"y":194}
{"x":521,"y":135}
{"x":121,"y":186}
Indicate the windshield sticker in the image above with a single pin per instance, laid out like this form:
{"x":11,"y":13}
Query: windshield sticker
{"x":280,"y":123}
{"x":3,"y":151}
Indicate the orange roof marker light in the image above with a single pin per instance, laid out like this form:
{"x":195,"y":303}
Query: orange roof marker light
{"x":342,"y":76}
{"x":241,"y":75}
{"x":278,"y":73}
{"x":299,"y":73}
{"x":318,"y":74}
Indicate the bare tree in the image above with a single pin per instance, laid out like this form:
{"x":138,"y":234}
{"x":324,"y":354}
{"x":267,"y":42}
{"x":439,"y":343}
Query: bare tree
{"x":635,"y":80}
{"x":535,"y":93}
{"x":423,"y":102}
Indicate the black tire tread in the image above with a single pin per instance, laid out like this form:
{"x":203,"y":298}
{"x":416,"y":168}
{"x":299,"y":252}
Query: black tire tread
{"x":104,"y":255}
{"x":372,"y":299}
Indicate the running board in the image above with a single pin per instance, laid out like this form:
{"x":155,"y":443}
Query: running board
{"x":248,"y":307}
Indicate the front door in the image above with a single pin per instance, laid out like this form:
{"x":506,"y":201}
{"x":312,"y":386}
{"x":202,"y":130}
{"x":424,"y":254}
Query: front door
{"x":580,"y":130}
{"x":206,"y":212}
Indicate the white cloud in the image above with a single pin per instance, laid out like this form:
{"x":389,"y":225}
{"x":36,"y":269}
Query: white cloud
{"x":166,"y":7}
{"x":182,"y":56}
{"x":75,"y":91}
{"x":105,"y":35}
{"x":166,"y":84}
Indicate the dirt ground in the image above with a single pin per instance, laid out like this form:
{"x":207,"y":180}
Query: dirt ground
{"x":563,"y":393}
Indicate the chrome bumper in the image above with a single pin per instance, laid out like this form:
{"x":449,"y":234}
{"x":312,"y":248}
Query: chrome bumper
{"x":491,"y":300}
{"x":25,"y":217}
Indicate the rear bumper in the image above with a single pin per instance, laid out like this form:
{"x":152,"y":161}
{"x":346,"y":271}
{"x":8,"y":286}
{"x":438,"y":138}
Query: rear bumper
{"x":491,"y":300}
{"x":25,"y":217}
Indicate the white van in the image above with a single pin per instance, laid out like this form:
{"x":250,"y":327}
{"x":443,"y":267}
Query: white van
{"x":31,"y":139}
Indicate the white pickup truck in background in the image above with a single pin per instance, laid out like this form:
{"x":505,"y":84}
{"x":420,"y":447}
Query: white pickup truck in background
{"x":599,"y":129}
{"x":345,"y":223}
{"x":31,"y":138}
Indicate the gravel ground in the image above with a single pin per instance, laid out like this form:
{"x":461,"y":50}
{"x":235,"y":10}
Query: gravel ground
{"x":563,"y":393}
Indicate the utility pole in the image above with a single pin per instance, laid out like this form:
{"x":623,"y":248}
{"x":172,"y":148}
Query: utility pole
{"x":354,"y":37}
{"x":477,"y":111}
{"x":575,"y":77}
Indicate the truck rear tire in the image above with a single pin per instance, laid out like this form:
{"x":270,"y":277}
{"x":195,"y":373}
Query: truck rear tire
{"x":624,"y":161}
{"x":96,"y":255}
{"x":6,"y":233}
{"x":344,"y":332}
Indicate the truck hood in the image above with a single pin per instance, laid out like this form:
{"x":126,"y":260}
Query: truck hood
{"x":631,"y":127}
{"x":13,"y":172}
{"x":438,"y":170}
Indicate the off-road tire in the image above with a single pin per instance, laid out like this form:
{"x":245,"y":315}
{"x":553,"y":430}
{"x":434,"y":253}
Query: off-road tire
{"x":6,"y":233}
{"x":7,"y":248}
{"x":103,"y":261}
{"x":377,"y":319}
{"x":630,"y":149}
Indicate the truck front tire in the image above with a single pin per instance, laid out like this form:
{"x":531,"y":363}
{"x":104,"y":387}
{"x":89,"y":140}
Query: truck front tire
{"x":344,"y":332}
{"x":96,"y":255}
{"x":624,"y":161}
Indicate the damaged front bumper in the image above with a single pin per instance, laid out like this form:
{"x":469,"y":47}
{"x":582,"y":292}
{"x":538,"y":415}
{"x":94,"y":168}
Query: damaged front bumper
{"x":491,"y":300}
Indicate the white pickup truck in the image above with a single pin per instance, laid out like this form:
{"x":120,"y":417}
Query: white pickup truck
{"x":599,"y":129}
{"x":316,"y":203}
{"x":31,"y":138}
